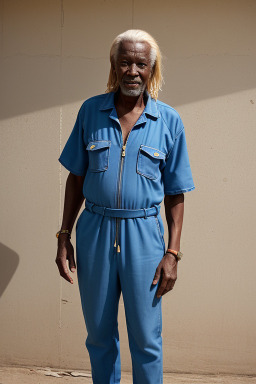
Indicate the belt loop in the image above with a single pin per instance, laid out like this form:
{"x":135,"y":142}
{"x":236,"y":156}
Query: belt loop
{"x":145,"y":213}
{"x":157,"y":208}
{"x":104,"y":211}
{"x":92,"y":207}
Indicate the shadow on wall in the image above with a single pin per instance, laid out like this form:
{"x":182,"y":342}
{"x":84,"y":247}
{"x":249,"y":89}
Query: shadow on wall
{"x":34,"y":84}
{"x":49,"y":56}
{"x":9,"y":261}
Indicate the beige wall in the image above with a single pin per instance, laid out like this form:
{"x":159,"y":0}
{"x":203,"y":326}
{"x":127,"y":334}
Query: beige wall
{"x":54,"y":54}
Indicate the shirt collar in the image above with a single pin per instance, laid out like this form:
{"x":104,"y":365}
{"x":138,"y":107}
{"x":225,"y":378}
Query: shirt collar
{"x":150,"y":108}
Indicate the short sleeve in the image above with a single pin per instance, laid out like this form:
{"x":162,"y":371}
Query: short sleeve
{"x":74,"y":156}
{"x":177,"y":175}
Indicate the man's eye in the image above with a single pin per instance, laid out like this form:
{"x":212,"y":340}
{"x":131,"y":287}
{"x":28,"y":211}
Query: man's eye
{"x":124,"y":63}
{"x":142,"y":65}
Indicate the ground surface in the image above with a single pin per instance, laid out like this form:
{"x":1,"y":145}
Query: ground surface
{"x":16,"y":375}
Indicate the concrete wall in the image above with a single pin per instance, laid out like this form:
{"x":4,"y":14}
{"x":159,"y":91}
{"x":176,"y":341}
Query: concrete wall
{"x":54,"y":55}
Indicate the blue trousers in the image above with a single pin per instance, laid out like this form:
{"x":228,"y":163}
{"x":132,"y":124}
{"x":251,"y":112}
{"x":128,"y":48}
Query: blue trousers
{"x":103,"y":273}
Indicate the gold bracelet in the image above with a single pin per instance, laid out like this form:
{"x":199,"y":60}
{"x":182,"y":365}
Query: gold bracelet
{"x":63,"y":231}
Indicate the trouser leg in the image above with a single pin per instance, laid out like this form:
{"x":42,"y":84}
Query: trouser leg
{"x":100,"y":290}
{"x":142,"y":248}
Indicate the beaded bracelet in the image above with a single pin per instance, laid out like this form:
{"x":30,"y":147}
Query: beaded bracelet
{"x":63,"y":231}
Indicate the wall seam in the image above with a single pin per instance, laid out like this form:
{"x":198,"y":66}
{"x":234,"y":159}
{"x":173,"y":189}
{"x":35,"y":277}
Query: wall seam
{"x":60,"y":177}
{"x":2,"y":29}
{"x":132,"y":13}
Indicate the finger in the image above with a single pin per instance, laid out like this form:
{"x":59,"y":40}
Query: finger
{"x":161,"y":288}
{"x":64,"y":270}
{"x":169,"y":286}
{"x":67,"y":277}
{"x":72,"y":264}
{"x":157,"y":275}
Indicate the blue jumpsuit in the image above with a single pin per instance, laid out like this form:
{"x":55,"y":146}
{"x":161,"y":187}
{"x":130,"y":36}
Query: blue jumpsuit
{"x":120,"y":233}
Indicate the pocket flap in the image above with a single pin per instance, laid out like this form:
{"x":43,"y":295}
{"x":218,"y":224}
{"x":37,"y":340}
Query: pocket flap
{"x":98,"y":144}
{"x":153,"y":152}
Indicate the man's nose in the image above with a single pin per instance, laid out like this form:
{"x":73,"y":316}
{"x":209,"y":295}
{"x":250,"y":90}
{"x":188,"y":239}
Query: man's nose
{"x":132,"y":69}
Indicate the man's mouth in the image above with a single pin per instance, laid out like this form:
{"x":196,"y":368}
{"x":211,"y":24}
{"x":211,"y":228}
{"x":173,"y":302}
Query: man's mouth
{"x":131,"y":83}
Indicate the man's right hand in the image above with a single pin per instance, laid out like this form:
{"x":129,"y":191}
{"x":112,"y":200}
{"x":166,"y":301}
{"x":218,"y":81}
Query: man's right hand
{"x":65,"y":252}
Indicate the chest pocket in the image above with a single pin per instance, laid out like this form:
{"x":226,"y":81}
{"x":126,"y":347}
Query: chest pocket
{"x":98,"y":151}
{"x":149,"y":161}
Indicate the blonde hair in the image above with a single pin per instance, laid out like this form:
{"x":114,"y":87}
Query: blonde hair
{"x":136,"y":35}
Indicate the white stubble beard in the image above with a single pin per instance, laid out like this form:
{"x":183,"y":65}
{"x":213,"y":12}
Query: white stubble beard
{"x":132,"y":92}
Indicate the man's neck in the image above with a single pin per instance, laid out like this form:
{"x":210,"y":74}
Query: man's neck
{"x":129,"y":103}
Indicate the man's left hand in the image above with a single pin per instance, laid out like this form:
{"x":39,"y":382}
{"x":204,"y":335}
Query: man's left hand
{"x":168,"y":267}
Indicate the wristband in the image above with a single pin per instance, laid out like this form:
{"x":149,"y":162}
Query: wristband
{"x":63,"y":231}
{"x":178,"y":255}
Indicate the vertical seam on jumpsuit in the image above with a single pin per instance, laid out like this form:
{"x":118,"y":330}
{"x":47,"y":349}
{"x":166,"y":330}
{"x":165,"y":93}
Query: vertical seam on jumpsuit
{"x":114,"y":365}
{"x":159,"y":335}
{"x":159,"y":232}
{"x":158,"y":322}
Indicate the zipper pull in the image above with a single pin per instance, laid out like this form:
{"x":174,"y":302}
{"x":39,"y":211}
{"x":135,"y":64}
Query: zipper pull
{"x":115,"y":243}
{"x":118,"y":248}
{"x":123,"y":150}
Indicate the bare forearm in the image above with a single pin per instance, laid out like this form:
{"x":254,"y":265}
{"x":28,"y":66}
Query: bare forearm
{"x":174,"y":210}
{"x":72,"y":204}
{"x":73,"y":200}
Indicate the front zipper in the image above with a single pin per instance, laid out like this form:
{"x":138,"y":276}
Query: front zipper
{"x":119,"y":191}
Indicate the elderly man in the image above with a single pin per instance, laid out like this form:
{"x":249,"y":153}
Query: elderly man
{"x":126,"y":152}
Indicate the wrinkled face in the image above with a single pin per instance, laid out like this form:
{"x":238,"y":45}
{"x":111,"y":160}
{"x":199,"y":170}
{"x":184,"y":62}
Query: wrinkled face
{"x":133,"y":67}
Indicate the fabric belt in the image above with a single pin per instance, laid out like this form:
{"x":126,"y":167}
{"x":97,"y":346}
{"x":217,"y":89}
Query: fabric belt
{"x":123,"y":213}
